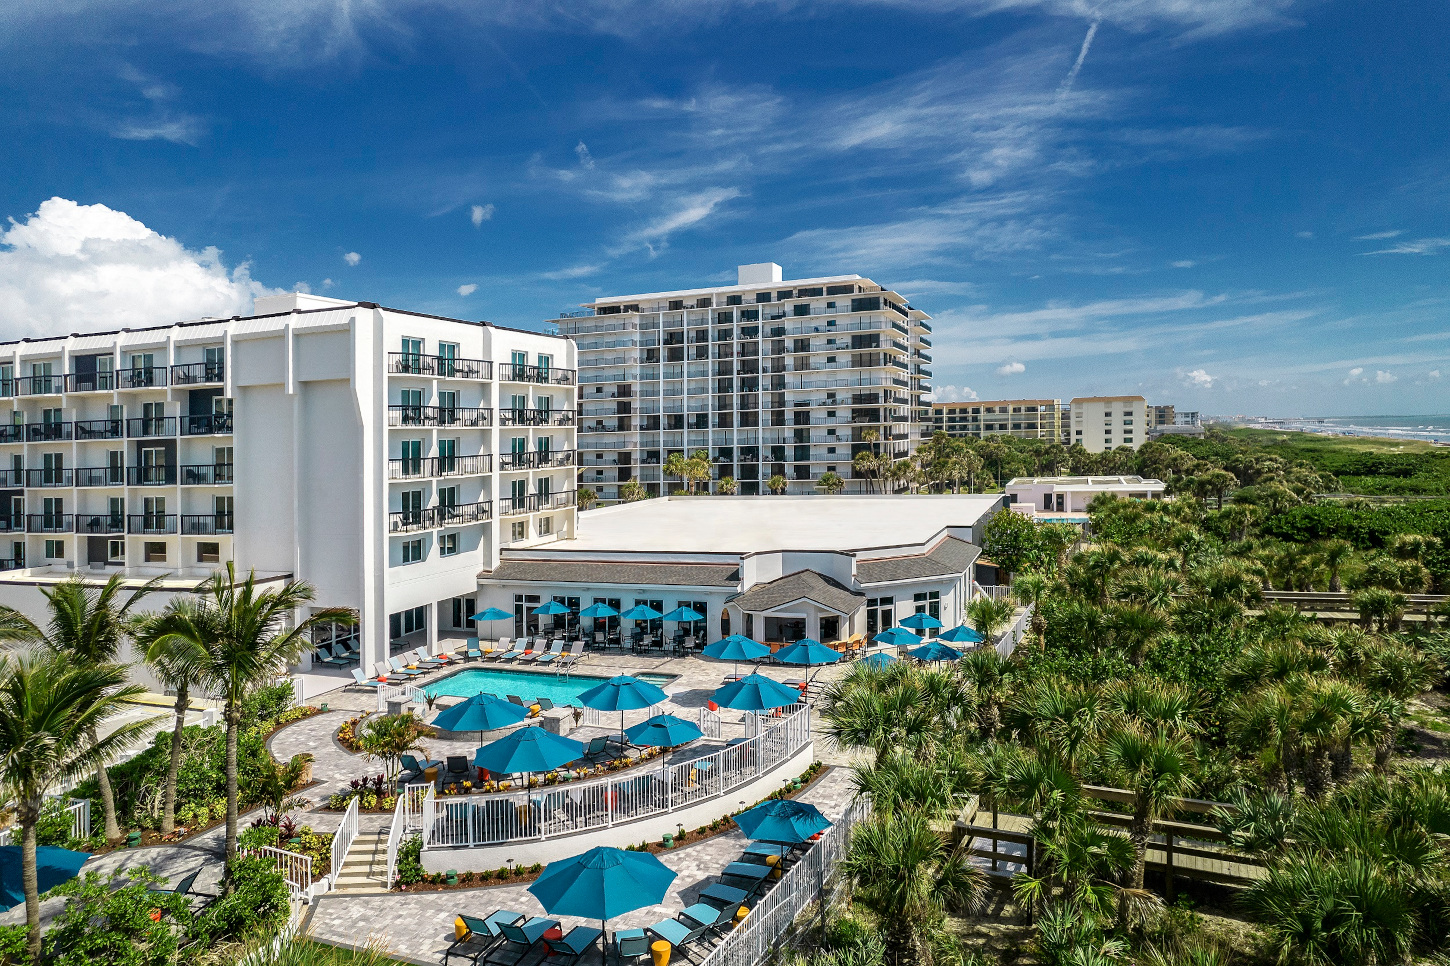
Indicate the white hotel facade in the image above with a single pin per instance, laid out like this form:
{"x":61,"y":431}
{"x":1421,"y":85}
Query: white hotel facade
{"x":383,"y":456}
{"x":769,"y":376}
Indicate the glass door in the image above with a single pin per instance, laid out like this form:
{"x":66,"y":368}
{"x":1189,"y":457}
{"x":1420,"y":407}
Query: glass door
{"x":222,"y":513}
{"x":412,"y":360}
{"x":412,"y":507}
{"x":520,"y":493}
{"x":447,"y":407}
{"x":447,"y":456}
{"x":447,"y":359}
{"x":411,"y":462}
{"x":117,"y":508}
{"x":153,"y":465}
{"x":153,"y":514}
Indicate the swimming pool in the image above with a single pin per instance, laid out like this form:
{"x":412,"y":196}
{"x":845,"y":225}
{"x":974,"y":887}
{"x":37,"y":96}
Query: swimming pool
{"x":526,"y":684}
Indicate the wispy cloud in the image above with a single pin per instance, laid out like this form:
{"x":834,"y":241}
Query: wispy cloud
{"x":479,"y":214}
{"x":352,"y":258}
{"x":1082,"y":53}
{"x":1380,"y":235}
{"x":1420,"y":246}
{"x":688,"y":212}
{"x":163,"y":120}
{"x":467,"y":290}
{"x":1011,"y":369}
{"x":575,"y":271}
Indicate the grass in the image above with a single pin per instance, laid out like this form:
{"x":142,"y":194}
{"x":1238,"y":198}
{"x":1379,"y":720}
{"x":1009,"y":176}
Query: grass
{"x":1362,"y":464}
{"x":307,"y":952}
{"x":1321,"y":443}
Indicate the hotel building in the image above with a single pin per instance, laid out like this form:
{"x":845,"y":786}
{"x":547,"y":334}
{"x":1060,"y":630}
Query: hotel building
{"x":383,"y":456}
{"x":768,"y":376}
{"x":1101,"y":423}
{"x":1022,"y":418}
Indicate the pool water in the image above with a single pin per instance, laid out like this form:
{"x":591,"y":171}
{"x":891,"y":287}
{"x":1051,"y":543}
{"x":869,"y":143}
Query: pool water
{"x":528,"y":685}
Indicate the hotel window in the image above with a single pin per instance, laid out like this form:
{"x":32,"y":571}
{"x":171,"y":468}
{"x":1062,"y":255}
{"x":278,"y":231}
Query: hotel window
{"x":546,"y":526}
{"x":463,"y":610}
{"x":54,"y":549}
{"x":412,"y":550}
{"x":208,"y":553}
{"x":880,"y":613}
{"x":929,"y":602}
{"x":154,"y":551}
{"x":115,"y":551}
{"x":407,"y":621}
{"x":447,"y":356}
{"x":447,"y":544}
{"x":519,"y":531}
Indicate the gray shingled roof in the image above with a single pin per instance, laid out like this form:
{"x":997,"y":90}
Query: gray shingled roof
{"x":950,"y":557}
{"x":598,"y":572}
{"x":801,"y":585}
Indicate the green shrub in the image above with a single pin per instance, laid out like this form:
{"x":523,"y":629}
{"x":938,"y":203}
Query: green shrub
{"x":257,"y":906}
{"x":109,"y":920}
{"x":54,"y":827}
{"x":410,"y":861}
{"x":12,"y":946}
{"x":263,"y":707}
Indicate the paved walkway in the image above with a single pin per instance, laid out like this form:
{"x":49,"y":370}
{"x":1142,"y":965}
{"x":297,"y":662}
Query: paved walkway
{"x":418,"y":926}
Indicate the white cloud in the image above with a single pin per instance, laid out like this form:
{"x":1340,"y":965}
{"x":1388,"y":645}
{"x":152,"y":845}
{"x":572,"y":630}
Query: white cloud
{"x":163,"y":121}
{"x":1198,"y":378}
{"x":574,"y":271}
{"x":480,"y":214}
{"x":1306,"y":235}
{"x":1183,"y":263}
{"x":302,"y":287}
{"x":1420,"y":246}
{"x":1379,"y":235}
{"x":467,"y":290}
{"x":1011,"y":369}
{"x":327,"y":283}
{"x":1382,"y":377}
{"x":689,"y":211}
{"x":953,"y":394}
{"x":1354,"y":375}
{"x":1434,"y":374}
{"x":352,"y":258}
{"x":71,"y":267}
{"x":585,"y":158}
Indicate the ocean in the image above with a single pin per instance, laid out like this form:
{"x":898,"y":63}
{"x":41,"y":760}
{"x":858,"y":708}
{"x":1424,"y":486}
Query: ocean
{"x":1432,"y":429}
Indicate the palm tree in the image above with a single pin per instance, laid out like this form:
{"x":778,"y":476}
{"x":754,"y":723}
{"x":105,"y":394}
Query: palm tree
{"x":1029,"y":589}
{"x":1334,"y":553}
{"x":173,"y":666}
{"x":777,"y":484}
{"x":1322,"y":912}
{"x":240,"y":638}
{"x":1157,"y":770}
{"x":88,"y":625}
{"x":1135,"y":629}
{"x":632,"y":491}
{"x":989,"y":673}
{"x":901,"y":870}
{"x":727,"y":486}
{"x":988,"y":616}
{"x":830,"y":483}
{"x":1397,"y":673}
{"x":51,"y":709}
{"x":677,"y":465}
{"x":586,"y":498}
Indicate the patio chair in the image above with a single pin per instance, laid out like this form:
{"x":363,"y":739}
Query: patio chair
{"x":473,"y":650}
{"x":521,"y":937}
{"x":710,"y":916}
{"x":596,"y":748}
{"x":458,"y":769}
{"x":753,"y":874}
{"x":493,"y":650}
{"x":324,"y":655}
{"x":480,"y":935}
{"x":631,"y":945}
{"x":362,"y":681}
{"x":599,"y":639}
{"x":552,"y":654}
{"x":764,"y":850}
{"x":536,"y":650}
{"x":544,"y":704}
{"x":421,"y":658}
{"x":726,"y":896}
{"x":678,"y":934}
{"x":573,"y":656}
{"x":183,"y":886}
{"x":396,"y":663}
{"x":574,"y":945}
{"x":413,"y":769}
{"x":520,"y":648}
{"x":515,"y":699}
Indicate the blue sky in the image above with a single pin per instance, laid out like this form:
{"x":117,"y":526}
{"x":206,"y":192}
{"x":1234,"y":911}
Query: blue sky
{"x":1240,"y":206}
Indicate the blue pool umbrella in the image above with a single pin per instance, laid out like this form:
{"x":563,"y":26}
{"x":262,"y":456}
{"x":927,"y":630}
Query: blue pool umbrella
{"x":527,"y":750}
{"x":935,"y":651}
{"x":961,"y":634}
{"x":663,"y":731}
{"x":755,"y":692}
{"x":683,"y":614}
{"x":622,"y":693}
{"x":896,"y":637}
{"x":482,"y":712}
{"x":783,"y":821}
{"x":53,"y":866}
{"x":602,"y":883}
{"x":641,"y":612}
{"x":878,"y":660}
{"x":599,"y":610}
{"x":736,"y":648}
{"x":552,"y":607}
{"x":492,"y":614}
{"x":809,"y":652}
{"x":920,"y":621}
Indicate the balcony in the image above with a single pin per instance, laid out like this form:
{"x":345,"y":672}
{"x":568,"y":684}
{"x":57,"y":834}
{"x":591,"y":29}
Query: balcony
{"x":141,"y":377}
{"x":461,"y":514}
{"x":49,"y":478}
{"x":10,"y":478}
{"x":100,"y":429}
{"x":151,"y":523}
{"x":513,"y":506}
{"x":431,"y":466}
{"x":12,"y":524}
{"x":198,"y":373}
{"x":407,"y":521}
{"x":210,"y":424}
{"x":100,"y":476}
{"x":206,"y":474}
{"x":47,"y":432}
{"x":156,"y":475}
{"x":12,"y":433}
{"x":100,"y":523}
{"x":40,"y":385}
{"x":535,"y":459}
{"x":442,"y":367}
{"x":205,"y":524}
{"x":151,"y":426}
{"x":49,"y":522}
{"x":535,"y":417}
{"x":439,"y":416}
{"x":543,"y":375}
{"x":90,"y":381}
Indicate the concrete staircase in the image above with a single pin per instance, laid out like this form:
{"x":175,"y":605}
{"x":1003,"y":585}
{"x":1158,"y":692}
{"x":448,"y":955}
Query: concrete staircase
{"x":365,"y":867}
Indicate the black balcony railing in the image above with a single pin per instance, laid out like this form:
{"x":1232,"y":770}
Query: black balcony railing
{"x":407,"y":521}
{"x":100,"y":429}
{"x":409,"y":468}
{"x":141,"y":377}
{"x":148,"y":426}
{"x":198,"y":373}
{"x":206,"y":474}
{"x":160,"y":474}
{"x":151,"y":523}
{"x":47,"y":432}
{"x":544,"y":375}
{"x":12,"y":478}
{"x":100,"y":476}
{"x":90,"y":381}
{"x":444,"y":367}
{"x":209,"y":424}
{"x":534,"y":502}
{"x":12,"y":524}
{"x":439,"y":416}
{"x":536,"y":459}
{"x":10,"y":563}
{"x":40,"y":385}
{"x":50,"y":477}
{"x":49,"y":522}
{"x":100,"y":523}
{"x":205,"y":524}
{"x":12,"y":433}
{"x":536,"y":417}
{"x":461,"y":514}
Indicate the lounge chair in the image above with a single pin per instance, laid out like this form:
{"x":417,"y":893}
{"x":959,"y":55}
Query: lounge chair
{"x":710,"y":916}
{"x":495,"y":649}
{"x":399,"y":668}
{"x":574,"y":945}
{"x":413,"y":770}
{"x":421,"y":658}
{"x":544,"y":704}
{"x":183,"y":886}
{"x":764,"y":850}
{"x":473,"y":650}
{"x":515,"y":699}
{"x":534,"y":651}
{"x":596,"y":748}
{"x":480,"y":935}
{"x":458,"y":769}
{"x":518,"y":651}
{"x":357,"y":676}
{"x":521,"y":937}
{"x":679,"y":934}
{"x":726,"y":896}
{"x":631,"y":945}
{"x":324,"y":655}
{"x":552,"y":654}
{"x":574,"y":655}
{"x":749,"y":872}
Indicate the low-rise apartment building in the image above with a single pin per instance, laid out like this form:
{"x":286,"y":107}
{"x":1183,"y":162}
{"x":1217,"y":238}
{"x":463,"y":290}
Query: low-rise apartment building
{"x":1022,"y":418}
{"x":770,"y":377}
{"x":383,"y":456}
{"x":1101,"y":423}
{"x":1066,"y":498}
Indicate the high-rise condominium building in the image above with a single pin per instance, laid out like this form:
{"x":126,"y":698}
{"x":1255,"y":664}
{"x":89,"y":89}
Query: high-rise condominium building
{"x":382,"y":456}
{"x":1023,"y":418}
{"x":1102,"y":423}
{"x":768,"y":376}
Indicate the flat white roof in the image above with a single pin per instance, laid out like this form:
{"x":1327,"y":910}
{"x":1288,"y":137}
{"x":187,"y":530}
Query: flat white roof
{"x":1088,"y":482}
{"x":756,"y":524}
{"x":752,"y":286}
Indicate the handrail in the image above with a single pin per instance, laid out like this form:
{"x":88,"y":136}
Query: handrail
{"x":295,"y":867}
{"x":342,"y":840}
{"x":540,"y":813}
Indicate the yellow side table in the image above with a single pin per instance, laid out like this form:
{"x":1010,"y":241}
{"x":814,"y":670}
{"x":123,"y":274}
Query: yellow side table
{"x":660,"y":951}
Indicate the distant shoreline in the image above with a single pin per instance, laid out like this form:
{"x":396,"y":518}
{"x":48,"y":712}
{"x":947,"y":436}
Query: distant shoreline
{"x":1433,"y":429}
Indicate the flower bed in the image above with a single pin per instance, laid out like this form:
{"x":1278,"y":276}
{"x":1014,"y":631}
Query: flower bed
{"x":375,"y":794}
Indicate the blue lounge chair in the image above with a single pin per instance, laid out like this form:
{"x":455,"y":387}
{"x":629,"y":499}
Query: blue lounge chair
{"x":680,"y":935}
{"x":481,"y":935}
{"x":398,"y":667}
{"x":324,"y":655}
{"x":710,"y":916}
{"x":574,"y":945}
{"x":422,"y":659}
{"x":473,"y":650}
{"x":727,"y":896}
{"x":357,"y":676}
{"x":520,"y":938}
{"x":750,"y":873}
{"x":552,"y":653}
{"x":630,"y":945}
